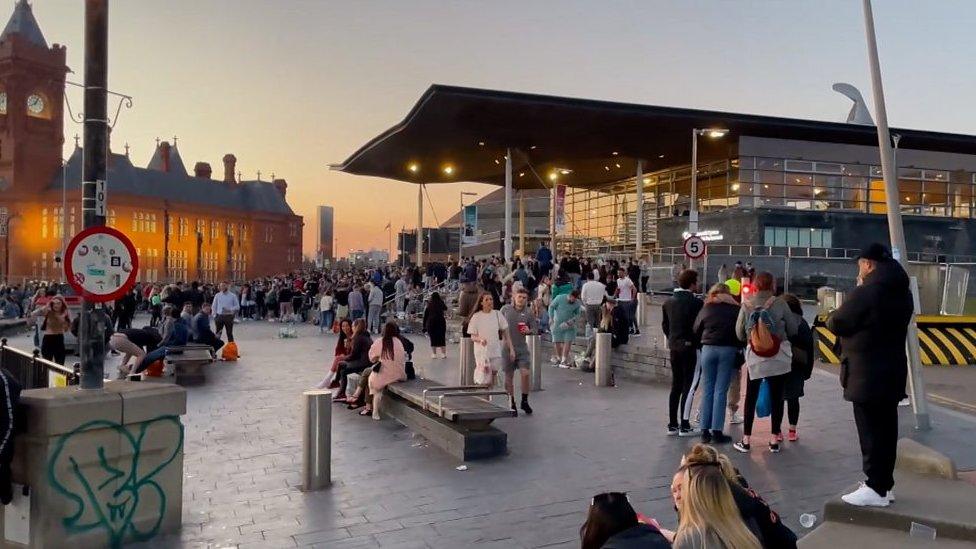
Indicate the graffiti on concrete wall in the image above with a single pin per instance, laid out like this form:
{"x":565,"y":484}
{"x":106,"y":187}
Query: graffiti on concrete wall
{"x":106,"y":491}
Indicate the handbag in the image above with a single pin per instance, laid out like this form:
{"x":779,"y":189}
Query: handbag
{"x":764,"y":404}
{"x":482,"y":372}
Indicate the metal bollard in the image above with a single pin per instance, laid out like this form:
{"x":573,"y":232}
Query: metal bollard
{"x":602,"y":360}
{"x":466,"y":362}
{"x":535,"y":361}
{"x":643,"y":310}
{"x":317,"y":440}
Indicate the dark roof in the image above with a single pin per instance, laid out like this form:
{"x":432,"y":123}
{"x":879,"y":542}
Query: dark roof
{"x":123,"y":177}
{"x":22,"y":22}
{"x":470,"y":128}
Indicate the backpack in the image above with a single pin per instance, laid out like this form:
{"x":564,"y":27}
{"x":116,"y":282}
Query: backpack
{"x":760,"y":328}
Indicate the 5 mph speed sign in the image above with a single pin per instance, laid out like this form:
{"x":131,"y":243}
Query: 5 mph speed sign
{"x":694,"y":247}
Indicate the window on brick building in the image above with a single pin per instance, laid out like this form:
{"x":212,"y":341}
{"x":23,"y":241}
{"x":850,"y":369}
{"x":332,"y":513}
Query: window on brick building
{"x":44,"y":223}
{"x":111,"y":218}
{"x":152,"y":223}
{"x":214,"y":229}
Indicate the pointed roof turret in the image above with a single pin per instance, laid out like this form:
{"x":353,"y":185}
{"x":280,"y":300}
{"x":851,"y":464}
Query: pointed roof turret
{"x":167,"y":159}
{"x":22,"y":22}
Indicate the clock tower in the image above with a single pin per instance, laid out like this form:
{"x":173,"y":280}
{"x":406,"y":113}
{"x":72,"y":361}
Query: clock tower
{"x":32,"y":76}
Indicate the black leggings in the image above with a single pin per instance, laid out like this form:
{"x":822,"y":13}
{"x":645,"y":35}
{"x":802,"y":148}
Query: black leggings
{"x":52,"y":348}
{"x":793,"y":410}
{"x":776,"y":386}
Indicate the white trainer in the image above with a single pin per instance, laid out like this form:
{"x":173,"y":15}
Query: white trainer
{"x":736,"y":419}
{"x":865,"y":496}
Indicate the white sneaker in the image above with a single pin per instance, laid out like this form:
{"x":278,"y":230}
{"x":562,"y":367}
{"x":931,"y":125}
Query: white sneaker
{"x":736,"y":419}
{"x":905,"y":402}
{"x":865,"y":496}
{"x":563,"y":365}
{"x":554,"y":360}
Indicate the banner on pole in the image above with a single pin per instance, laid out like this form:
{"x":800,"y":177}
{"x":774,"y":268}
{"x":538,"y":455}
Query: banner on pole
{"x":560,"y":209}
{"x":470,"y":224}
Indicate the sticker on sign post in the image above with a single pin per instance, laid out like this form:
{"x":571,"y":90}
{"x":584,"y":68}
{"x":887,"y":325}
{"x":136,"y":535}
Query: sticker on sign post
{"x":101,"y":264}
{"x":694,"y":247}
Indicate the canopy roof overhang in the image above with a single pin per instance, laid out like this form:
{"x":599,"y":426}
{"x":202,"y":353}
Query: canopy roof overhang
{"x":456,"y":134}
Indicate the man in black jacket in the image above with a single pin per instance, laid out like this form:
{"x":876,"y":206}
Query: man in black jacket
{"x":679,"y":313}
{"x":872,"y":325}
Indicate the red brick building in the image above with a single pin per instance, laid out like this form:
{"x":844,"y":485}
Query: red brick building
{"x":185,"y":226}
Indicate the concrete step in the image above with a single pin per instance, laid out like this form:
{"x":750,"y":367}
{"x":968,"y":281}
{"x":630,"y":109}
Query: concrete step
{"x":833,"y":535}
{"x":949,"y":506}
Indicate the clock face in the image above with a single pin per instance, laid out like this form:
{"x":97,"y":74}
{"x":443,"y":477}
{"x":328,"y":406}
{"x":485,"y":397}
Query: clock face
{"x":35,"y":104}
{"x":3,"y":102}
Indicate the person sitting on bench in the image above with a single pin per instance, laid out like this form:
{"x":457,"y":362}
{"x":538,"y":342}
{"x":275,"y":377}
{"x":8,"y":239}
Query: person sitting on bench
{"x":133,"y":342}
{"x":202,"y":333}
{"x":358,"y":358}
{"x":175,"y":334}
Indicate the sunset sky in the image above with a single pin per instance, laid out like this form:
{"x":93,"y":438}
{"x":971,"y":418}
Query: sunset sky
{"x":290,"y":86}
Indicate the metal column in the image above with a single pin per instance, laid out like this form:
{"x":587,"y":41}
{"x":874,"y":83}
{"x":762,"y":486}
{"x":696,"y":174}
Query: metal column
{"x":508,"y":205}
{"x":466,"y":362}
{"x":639,"y":230}
{"x":693,"y":210}
{"x":420,"y":225}
{"x":92,"y":323}
{"x":521,"y":199}
{"x":601,"y":356}
{"x":895,"y":227}
{"x":535,"y":361}
{"x":317,"y":440}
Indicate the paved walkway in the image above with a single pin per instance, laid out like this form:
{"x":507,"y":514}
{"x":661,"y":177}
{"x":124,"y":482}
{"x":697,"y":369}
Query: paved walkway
{"x":391,"y":489}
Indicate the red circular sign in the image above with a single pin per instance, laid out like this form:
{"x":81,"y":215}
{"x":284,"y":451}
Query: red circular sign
{"x":694,"y":247}
{"x":101,"y":264}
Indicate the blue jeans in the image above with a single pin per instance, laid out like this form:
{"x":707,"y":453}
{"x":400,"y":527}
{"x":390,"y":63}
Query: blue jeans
{"x":156,"y":354}
{"x":326,"y":318}
{"x":717,"y":366}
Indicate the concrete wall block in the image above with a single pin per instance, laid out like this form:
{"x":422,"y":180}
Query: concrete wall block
{"x":96,"y":482}
{"x":918,"y":458}
{"x":146,"y":401}
{"x":58,"y":410}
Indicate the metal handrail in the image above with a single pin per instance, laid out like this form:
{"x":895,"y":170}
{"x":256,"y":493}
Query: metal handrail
{"x":444,"y":388}
{"x":26,"y":367}
{"x":487,"y":393}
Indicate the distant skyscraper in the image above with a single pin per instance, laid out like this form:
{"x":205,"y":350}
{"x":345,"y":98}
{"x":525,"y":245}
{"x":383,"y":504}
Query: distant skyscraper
{"x":326,"y":220}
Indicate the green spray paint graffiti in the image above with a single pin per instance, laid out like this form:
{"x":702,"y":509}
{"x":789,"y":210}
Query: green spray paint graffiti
{"x":107,"y":495}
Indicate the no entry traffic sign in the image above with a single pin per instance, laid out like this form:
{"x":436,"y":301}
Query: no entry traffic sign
{"x":694,"y":247}
{"x":101,"y":264}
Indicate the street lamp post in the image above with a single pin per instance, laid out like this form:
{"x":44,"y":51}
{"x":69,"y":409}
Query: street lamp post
{"x":92,"y":323}
{"x":714,"y":133}
{"x":895,"y":228}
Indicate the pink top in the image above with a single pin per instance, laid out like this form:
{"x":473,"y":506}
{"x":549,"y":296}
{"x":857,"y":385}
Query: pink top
{"x":392,"y":369}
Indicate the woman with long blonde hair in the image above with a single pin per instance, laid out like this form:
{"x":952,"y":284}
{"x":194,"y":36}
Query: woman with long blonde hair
{"x":709,"y":517}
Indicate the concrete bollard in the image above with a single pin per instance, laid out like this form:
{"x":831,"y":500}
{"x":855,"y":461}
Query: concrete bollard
{"x":535,"y":361}
{"x":601,"y":356}
{"x":317,"y":440}
{"x":466,"y":362}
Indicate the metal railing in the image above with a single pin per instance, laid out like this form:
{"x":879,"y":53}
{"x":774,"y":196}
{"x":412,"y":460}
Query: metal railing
{"x":32,"y":371}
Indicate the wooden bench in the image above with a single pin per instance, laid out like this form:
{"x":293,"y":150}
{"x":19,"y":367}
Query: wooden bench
{"x":188,"y":363}
{"x":457,"y":419}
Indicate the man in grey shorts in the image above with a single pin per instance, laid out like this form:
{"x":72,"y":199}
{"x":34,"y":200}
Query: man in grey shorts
{"x":521,"y":322}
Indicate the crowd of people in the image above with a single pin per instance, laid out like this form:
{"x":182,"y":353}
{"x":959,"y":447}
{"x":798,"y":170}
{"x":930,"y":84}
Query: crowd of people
{"x":742,"y":341}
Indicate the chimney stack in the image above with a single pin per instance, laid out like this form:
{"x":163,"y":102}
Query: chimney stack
{"x":202,"y":169}
{"x":281,"y":185}
{"x":230,"y":166}
{"x":164,"y":149}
